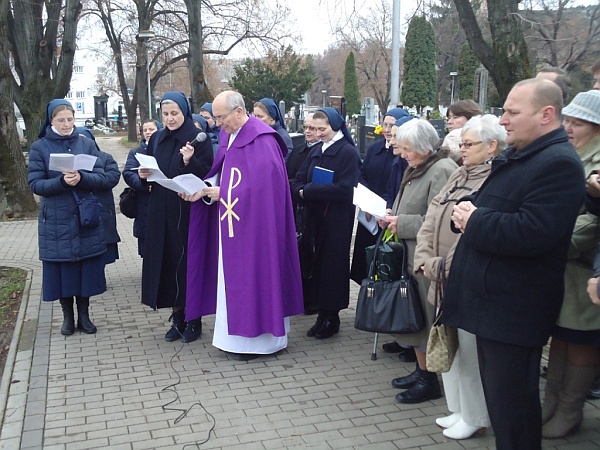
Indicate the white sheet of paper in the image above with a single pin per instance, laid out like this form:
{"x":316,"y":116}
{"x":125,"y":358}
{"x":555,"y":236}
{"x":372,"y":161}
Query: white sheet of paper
{"x":63,"y":162}
{"x":370,"y":225}
{"x":369,"y":201}
{"x":149,"y":162}
{"x":187,"y":183}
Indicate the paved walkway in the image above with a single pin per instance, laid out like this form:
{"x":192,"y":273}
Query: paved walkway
{"x":126,"y":388}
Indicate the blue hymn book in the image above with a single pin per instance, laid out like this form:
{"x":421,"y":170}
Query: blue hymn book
{"x":322,"y":176}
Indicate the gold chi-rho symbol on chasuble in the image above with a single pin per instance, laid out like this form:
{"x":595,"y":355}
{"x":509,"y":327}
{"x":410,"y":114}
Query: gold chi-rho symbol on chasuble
{"x":235,"y":178}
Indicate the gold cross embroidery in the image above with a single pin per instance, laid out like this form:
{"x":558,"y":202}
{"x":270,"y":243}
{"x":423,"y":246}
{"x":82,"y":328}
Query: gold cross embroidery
{"x":229,"y":213}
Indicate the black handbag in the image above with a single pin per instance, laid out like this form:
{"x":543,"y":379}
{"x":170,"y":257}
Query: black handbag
{"x":392,"y":307}
{"x":89,"y":210}
{"x":388,"y":264}
{"x":128,"y":203}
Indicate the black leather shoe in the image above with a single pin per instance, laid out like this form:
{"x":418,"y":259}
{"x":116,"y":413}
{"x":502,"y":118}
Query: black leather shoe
{"x":406,"y":382}
{"x":329,"y":328}
{"x":407,"y":355}
{"x":192,"y":331}
{"x":177,"y":327}
{"x":243,"y":356}
{"x":391,"y":347}
{"x":426,"y":388}
{"x":312,"y":331}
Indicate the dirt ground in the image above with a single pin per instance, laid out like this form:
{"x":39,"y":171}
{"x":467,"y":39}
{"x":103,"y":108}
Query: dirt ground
{"x":12,"y":282}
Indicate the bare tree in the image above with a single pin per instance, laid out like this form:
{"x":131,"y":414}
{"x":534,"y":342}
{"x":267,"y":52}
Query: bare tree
{"x":368,"y":34}
{"x":37,"y":42}
{"x":561,"y":34}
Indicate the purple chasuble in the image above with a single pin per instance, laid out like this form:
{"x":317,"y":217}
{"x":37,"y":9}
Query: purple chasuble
{"x":260,"y":253}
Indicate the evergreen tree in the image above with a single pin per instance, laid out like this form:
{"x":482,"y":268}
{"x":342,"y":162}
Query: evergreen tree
{"x":419,"y":64}
{"x":280,"y":75}
{"x":351,"y":91}
{"x":467,"y":65}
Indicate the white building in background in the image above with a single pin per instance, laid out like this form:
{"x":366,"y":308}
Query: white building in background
{"x":88,"y":69}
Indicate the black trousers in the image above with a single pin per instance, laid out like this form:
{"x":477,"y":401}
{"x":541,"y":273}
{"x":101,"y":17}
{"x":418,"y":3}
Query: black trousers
{"x":511,"y":375}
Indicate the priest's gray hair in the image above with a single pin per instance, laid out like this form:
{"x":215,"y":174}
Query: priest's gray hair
{"x":488,"y":129}
{"x":419,"y":135}
{"x":234,"y":100}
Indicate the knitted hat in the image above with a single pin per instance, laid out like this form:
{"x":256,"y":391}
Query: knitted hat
{"x":585,"y":106}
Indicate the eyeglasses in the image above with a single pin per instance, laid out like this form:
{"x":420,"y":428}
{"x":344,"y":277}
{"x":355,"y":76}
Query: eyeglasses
{"x":225,"y":116}
{"x":468,"y":145}
{"x":313,"y":129}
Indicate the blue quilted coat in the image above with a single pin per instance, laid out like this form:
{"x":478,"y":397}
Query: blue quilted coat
{"x":60,"y":237}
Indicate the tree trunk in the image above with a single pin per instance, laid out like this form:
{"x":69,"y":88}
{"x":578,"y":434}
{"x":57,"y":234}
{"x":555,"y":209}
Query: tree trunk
{"x":200,"y":91}
{"x":16,"y":199}
{"x":506,"y":59}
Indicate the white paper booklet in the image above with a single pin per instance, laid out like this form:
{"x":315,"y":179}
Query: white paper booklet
{"x":369,"y":201}
{"x":63,"y":162}
{"x":187,"y":183}
{"x":149,"y":162}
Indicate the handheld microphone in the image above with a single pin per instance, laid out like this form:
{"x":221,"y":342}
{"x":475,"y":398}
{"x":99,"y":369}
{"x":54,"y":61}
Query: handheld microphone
{"x":201,"y":137}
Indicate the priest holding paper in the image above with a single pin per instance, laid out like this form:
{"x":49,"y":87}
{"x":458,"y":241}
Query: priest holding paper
{"x":242,"y":253}
{"x":165,"y":246}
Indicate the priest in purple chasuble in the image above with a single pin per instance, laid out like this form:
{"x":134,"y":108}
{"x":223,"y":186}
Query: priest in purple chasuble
{"x":243,"y":260}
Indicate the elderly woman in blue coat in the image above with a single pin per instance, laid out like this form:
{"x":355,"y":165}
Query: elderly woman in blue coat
{"x":331,"y":213}
{"x":72,"y":255}
{"x":374,"y":174}
{"x":267,"y":111}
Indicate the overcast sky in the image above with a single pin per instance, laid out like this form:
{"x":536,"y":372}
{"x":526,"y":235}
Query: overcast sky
{"x":313,"y":20}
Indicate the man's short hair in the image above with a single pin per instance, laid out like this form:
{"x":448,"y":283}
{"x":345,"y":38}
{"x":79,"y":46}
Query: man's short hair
{"x":545,"y":93}
{"x":562,"y":80}
{"x":233,"y":100}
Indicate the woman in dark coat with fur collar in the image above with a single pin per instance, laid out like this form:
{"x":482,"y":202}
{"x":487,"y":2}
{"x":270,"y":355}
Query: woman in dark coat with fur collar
{"x":165,"y":248}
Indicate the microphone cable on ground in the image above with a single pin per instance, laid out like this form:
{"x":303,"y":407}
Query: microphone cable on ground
{"x":173,"y":387}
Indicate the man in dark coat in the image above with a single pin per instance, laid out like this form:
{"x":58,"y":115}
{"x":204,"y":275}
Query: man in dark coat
{"x":506,"y":282}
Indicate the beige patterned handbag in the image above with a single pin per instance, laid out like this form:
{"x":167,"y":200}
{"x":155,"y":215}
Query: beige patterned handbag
{"x":443,"y":340}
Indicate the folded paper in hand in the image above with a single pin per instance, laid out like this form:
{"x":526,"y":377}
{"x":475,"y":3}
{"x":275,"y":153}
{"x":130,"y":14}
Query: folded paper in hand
{"x":322,"y":176}
{"x":369,"y":201}
{"x":149,"y":162}
{"x":63,"y":162}
{"x":187,"y":183}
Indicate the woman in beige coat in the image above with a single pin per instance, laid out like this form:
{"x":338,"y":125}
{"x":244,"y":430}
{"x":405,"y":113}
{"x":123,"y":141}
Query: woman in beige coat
{"x":574,"y":359}
{"x":427,"y":172}
{"x":482,"y":138}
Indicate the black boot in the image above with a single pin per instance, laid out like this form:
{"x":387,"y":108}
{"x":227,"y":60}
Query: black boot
{"x":178,"y":326}
{"x":83,"y":316}
{"x":426,"y":388}
{"x":192,"y":331}
{"x":408,"y":381}
{"x":316,"y":327}
{"x":68,"y":326}
{"x":330,"y":327}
